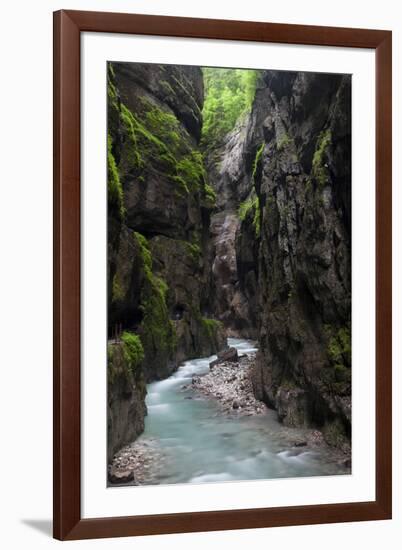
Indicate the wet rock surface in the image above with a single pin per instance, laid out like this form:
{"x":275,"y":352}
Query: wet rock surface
{"x":286,"y":170}
{"x":227,"y":299}
{"x":229,"y":355}
{"x":125,"y":401}
{"x":303,"y":186}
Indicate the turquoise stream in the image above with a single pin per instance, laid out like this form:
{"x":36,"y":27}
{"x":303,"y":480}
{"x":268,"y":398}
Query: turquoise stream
{"x":201,"y":444}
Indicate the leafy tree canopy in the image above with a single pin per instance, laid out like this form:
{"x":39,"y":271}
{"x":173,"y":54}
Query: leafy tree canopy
{"x":229,"y":94}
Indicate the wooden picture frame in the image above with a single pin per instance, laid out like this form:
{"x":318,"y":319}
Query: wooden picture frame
{"x":68,"y":26}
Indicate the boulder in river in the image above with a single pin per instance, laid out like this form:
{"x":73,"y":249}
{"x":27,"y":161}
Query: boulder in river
{"x":121,"y":476}
{"x":227,"y":356}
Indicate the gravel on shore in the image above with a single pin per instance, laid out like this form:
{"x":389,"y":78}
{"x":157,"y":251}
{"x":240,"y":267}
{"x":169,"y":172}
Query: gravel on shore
{"x":138,"y":463}
{"x":230,"y":384}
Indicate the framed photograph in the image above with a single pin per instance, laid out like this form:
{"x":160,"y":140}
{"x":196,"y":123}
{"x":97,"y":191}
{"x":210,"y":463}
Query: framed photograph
{"x":222,"y":270}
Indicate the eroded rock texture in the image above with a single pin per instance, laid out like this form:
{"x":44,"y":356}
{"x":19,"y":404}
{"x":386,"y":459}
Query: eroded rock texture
{"x":294,"y":243}
{"x":126,"y":400}
{"x":264,"y":252}
{"x":158,"y":227}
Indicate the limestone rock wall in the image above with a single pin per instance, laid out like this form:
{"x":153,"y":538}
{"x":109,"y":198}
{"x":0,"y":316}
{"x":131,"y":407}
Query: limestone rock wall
{"x":159,"y":206}
{"x":286,"y":172}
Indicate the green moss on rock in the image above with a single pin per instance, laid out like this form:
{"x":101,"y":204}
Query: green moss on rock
{"x":319,"y":168}
{"x":257,"y":161}
{"x":251,"y":207}
{"x":144,"y":252}
{"x":158,"y":334}
{"x":158,"y":142}
{"x":336,"y":375}
{"x":132,"y":350}
{"x":124,"y":358}
{"x":115,"y":189}
{"x":211,"y":326}
{"x":117,"y":291}
{"x":339,"y":344}
{"x":210,"y":195}
{"x":283,"y":142}
{"x":195,"y":251}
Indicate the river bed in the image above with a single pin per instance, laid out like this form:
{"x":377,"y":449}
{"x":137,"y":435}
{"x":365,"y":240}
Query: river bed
{"x":192,"y":441}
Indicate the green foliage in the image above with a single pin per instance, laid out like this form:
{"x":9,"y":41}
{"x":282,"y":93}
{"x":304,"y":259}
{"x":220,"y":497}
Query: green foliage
{"x":111,"y":91}
{"x":190,"y":170}
{"x":157,"y":330}
{"x":133,"y":351}
{"x":195,"y":251}
{"x":229,"y":94}
{"x":145,"y":253}
{"x":210,"y":194}
{"x":257,"y":219}
{"x":117,"y":291}
{"x":283,"y":142}
{"x":337,"y":375}
{"x":251,"y":206}
{"x":110,"y":69}
{"x":319,"y":169}
{"x":339,"y":345}
{"x":125,"y":357}
{"x":111,"y":88}
{"x":257,"y":161}
{"x":114,"y":187}
{"x":211,"y":327}
{"x":245,"y":207}
{"x":162,"y":124}
{"x":142,"y":142}
{"x":154,"y":141}
{"x":253,"y":203}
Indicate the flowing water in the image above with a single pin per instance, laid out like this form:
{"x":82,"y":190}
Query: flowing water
{"x":201,"y":444}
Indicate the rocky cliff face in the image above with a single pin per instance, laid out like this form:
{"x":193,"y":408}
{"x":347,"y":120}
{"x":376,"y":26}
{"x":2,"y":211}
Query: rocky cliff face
{"x":289,"y":171}
{"x":158,"y":223}
{"x":234,"y":274}
{"x":264,"y":253}
{"x":126,"y":398}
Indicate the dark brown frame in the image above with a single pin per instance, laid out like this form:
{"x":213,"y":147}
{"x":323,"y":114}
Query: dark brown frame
{"x":68,"y":26}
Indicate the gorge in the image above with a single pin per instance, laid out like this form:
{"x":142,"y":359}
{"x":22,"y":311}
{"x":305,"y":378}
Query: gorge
{"x":229,"y":215}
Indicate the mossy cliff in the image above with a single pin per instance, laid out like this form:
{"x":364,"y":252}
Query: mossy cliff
{"x":159,"y":204}
{"x":284,"y":173}
{"x":126,"y":391}
{"x":240,"y":226}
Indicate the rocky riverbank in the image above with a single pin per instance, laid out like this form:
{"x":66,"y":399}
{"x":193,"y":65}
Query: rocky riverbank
{"x":234,"y":413}
{"x":230,"y":383}
{"x":140,"y":463}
